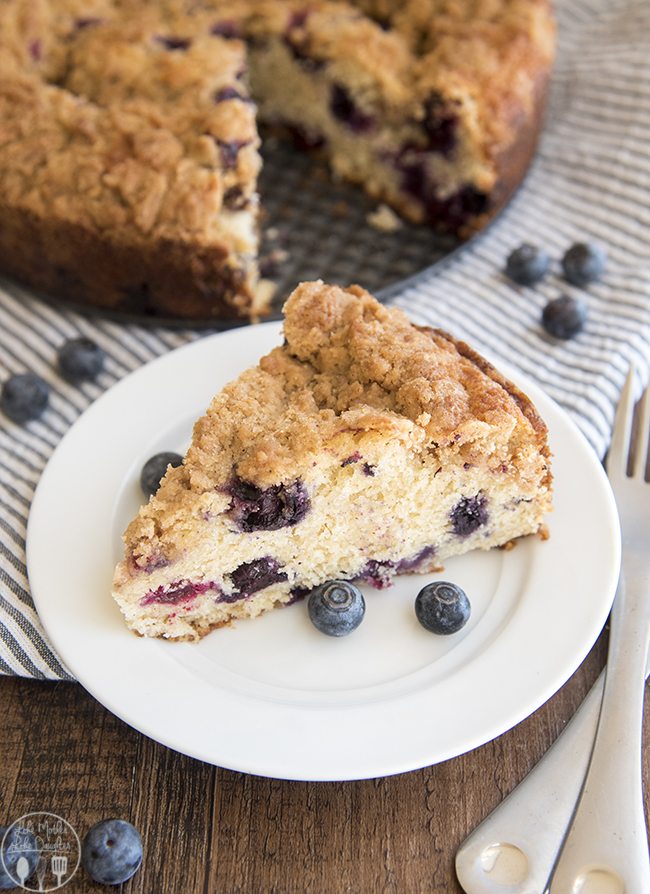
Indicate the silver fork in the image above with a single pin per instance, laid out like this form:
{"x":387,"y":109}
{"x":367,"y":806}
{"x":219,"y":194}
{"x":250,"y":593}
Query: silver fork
{"x":607,"y":843}
{"x":523,"y":847}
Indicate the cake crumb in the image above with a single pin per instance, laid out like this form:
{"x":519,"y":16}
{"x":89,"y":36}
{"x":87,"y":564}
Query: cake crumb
{"x":384,"y":219}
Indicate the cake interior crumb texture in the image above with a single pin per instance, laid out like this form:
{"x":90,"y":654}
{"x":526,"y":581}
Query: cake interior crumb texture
{"x":129,"y":131}
{"x":361,"y":448}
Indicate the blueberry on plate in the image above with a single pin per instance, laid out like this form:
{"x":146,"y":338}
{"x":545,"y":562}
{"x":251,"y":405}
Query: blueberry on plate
{"x":527,"y":264}
{"x":80,"y":360}
{"x":20,"y":854}
{"x":24,"y":396}
{"x":336,"y":607}
{"x":442,"y":607}
{"x":583,"y":263}
{"x":111,"y":852}
{"x":154,"y":469}
{"x":564,"y":317}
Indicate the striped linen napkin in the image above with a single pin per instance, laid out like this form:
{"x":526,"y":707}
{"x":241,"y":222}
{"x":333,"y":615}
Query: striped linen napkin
{"x":590,"y":181}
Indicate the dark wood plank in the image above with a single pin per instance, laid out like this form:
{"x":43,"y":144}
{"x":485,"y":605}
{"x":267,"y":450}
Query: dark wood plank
{"x":389,"y":835}
{"x":62,"y":752}
{"x":67,"y":755}
{"x":208,"y":830}
{"x":173,"y":797}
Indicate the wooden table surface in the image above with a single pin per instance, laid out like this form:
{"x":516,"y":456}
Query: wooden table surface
{"x":212,"y":831}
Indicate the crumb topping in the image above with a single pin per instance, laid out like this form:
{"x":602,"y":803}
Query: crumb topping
{"x":129,"y":141}
{"x":109,"y":118}
{"x":352,"y":372}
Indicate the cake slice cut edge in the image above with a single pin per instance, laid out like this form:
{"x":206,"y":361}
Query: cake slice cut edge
{"x":362,"y":448}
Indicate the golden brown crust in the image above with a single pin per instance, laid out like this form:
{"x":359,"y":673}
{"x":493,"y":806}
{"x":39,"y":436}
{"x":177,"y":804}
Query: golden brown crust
{"x":161,"y":279}
{"x":522,"y":400}
{"x":351,"y":367}
{"x":199,"y":630}
{"x":511,"y":161}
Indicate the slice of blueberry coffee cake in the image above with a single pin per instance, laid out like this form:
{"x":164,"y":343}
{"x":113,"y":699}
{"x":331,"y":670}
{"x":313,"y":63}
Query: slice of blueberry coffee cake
{"x":362,"y":448}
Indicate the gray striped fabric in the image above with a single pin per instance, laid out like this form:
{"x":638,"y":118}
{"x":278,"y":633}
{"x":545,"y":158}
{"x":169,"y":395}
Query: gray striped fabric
{"x":590,"y":180}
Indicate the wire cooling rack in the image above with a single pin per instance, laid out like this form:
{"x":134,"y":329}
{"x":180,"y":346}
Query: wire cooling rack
{"x":319,"y":228}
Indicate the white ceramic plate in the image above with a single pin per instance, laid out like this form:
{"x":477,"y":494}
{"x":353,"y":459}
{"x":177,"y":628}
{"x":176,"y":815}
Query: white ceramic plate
{"x":275,"y":697}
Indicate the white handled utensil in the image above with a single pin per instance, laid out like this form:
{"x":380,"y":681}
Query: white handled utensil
{"x":514,"y":849}
{"x":517,"y":847}
{"x":606,"y":849}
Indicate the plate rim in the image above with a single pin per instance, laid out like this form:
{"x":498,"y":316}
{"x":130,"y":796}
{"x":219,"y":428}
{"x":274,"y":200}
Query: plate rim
{"x":263,"y":333}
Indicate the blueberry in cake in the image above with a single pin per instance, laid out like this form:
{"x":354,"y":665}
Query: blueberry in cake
{"x":129,"y":130}
{"x":362,"y":448}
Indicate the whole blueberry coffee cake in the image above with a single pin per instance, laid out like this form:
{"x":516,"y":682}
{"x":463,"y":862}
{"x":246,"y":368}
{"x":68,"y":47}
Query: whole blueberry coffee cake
{"x":129,"y":130}
{"x":362,"y":448}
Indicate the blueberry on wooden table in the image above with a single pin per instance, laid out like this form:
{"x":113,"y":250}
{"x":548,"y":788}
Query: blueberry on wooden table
{"x":336,"y":608}
{"x":111,"y":852}
{"x":527,"y":264}
{"x":564,"y":317}
{"x":584,"y":263}
{"x":154,"y":469}
{"x":80,"y":360}
{"x":24,"y":397}
{"x":442,"y":607}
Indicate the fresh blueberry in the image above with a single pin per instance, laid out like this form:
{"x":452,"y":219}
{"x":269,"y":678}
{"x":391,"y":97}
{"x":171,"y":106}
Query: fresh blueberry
{"x":111,"y":852}
{"x":336,"y":607}
{"x":24,"y":397}
{"x":584,"y":263}
{"x":564,"y":317}
{"x":80,"y":360}
{"x":154,"y":469}
{"x":442,"y":607}
{"x":527,"y":264}
{"x":19,"y":845}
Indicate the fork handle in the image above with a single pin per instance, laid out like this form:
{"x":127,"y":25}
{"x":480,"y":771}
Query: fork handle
{"x":606,"y":849}
{"x":535,"y":815}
